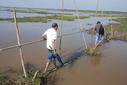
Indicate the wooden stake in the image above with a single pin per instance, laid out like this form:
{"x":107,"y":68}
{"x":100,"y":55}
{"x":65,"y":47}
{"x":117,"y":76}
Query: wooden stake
{"x":111,"y":27}
{"x":81,"y":26}
{"x":35,"y":75}
{"x":97,"y":6}
{"x":60,"y":44}
{"x":18,"y":40}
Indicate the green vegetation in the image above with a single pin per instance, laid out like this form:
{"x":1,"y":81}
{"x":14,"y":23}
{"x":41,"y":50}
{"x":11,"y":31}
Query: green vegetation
{"x":27,"y":19}
{"x":122,"y":26}
{"x":108,"y":15}
{"x":18,"y":79}
{"x":92,"y":52}
{"x":69,"y":10}
{"x":23,"y":11}
{"x":86,"y":11}
{"x":118,"y":31}
{"x":43,"y":19}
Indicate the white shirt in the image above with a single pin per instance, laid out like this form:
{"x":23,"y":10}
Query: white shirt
{"x":51,"y":36}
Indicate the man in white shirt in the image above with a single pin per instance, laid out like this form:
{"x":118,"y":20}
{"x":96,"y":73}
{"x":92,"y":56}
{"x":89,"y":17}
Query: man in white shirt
{"x":51,"y":35}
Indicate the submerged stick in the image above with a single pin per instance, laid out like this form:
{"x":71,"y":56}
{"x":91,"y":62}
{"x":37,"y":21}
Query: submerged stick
{"x":98,"y":43}
{"x":35,"y":75}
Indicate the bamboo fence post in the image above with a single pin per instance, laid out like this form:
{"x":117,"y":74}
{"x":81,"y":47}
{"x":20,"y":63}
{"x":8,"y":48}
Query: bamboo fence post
{"x":35,"y":75}
{"x":81,"y":27}
{"x":112,"y":34}
{"x":97,"y":6}
{"x":95,"y":16}
{"x":62,"y":16}
{"x":18,"y":40}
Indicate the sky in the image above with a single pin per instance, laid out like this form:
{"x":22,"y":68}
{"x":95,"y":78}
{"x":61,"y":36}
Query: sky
{"x":104,"y":5}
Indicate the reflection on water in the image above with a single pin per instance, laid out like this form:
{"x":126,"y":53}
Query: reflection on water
{"x":95,"y":60}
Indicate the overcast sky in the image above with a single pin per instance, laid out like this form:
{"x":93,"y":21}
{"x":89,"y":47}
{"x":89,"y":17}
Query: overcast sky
{"x":107,"y":5}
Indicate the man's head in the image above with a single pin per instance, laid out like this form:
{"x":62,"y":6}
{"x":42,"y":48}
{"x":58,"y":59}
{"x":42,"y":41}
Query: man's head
{"x":55,"y":26}
{"x":98,"y":22}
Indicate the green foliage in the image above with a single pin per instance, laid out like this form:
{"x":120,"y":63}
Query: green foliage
{"x":119,"y":30}
{"x":111,"y":15}
{"x":19,"y":79}
{"x":23,"y":11}
{"x":44,"y":19}
{"x":121,"y":27}
{"x":67,"y":10}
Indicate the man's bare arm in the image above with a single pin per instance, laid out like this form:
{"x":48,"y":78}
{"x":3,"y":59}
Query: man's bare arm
{"x":43,"y":37}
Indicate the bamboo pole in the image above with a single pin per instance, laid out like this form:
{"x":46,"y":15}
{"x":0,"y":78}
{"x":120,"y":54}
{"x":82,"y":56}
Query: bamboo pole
{"x":94,"y":19}
{"x":96,"y":12}
{"x":60,"y":44}
{"x":112,"y":34}
{"x":18,"y":40}
{"x":35,"y":75}
{"x":97,"y":6}
{"x":81,"y":27}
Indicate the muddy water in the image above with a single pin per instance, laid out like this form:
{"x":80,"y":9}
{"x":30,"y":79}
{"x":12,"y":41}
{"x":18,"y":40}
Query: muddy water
{"x":110,"y":69}
{"x":35,"y":53}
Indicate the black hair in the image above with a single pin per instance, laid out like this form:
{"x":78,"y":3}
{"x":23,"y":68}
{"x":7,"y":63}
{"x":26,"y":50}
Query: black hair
{"x":98,"y":22}
{"x":54,"y":25}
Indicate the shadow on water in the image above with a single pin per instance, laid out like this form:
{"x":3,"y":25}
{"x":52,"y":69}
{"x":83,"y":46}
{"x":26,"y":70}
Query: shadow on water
{"x":52,"y":78}
{"x":95,"y":60}
{"x":72,"y":58}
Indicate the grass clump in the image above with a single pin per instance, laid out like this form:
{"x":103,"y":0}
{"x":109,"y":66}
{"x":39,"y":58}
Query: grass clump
{"x":92,"y":52}
{"x":119,"y":30}
{"x":19,"y":79}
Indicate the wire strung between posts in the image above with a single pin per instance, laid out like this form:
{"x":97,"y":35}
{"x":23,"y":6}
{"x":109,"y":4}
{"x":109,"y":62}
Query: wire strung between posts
{"x":81,"y":27}
{"x":33,"y":42}
{"x":20,"y":49}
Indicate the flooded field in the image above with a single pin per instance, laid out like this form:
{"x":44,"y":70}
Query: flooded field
{"x":109,"y":69}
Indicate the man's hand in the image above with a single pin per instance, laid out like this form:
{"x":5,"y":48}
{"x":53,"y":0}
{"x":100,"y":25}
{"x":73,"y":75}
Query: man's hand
{"x":55,"y":52}
{"x":44,"y":38}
